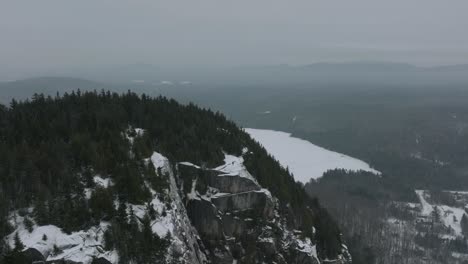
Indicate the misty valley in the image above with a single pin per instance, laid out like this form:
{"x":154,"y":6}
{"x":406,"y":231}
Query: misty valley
{"x":388,"y":165}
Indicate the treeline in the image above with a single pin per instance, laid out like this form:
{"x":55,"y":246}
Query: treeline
{"x":52,"y":147}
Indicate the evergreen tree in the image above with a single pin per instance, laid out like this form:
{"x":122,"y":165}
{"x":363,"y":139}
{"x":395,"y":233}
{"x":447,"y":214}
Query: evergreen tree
{"x":464,"y":224}
{"x":28,"y":224}
{"x":41,"y":213}
{"x":19,"y":246}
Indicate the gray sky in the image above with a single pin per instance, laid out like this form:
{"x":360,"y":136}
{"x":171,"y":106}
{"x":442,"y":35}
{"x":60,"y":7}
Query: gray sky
{"x":64,"y":33}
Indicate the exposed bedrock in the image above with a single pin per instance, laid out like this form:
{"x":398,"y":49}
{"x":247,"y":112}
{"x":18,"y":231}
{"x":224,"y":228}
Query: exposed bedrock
{"x":236,"y":218}
{"x":232,"y":183}
{"x":254,"y":200}
{"x":224,"y":183}
{"x":205,"y":218}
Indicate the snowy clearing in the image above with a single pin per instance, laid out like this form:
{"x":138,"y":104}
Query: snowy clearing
{"x":304,"y":159}
{"x":79,"y":247}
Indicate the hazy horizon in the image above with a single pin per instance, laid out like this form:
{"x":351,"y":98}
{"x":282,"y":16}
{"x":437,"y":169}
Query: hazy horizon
{"x":53,"y":34}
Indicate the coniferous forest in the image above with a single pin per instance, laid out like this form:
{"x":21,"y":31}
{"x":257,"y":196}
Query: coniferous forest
{"x":50,"y":147}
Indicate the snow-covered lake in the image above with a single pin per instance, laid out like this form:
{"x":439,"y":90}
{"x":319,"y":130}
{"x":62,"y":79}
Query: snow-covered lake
{"x":304,"y":159}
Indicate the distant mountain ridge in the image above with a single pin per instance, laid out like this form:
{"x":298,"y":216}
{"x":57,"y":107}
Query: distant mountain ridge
{"x":322,"y":72}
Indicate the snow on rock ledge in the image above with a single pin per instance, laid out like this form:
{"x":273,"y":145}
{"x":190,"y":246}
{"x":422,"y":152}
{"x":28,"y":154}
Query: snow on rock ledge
{"x":234,"y":166}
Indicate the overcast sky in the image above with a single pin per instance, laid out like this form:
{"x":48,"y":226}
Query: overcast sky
{"x":64,"y":33}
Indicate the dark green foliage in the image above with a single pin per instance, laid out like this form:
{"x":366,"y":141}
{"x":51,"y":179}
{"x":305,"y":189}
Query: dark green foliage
{"x":101,"y":204}
{"x":464,"y":224}
{"x":361,"y":254}
{"x":328,"y":235}
{"x":56,"y":251}
{"x":458,"y":245}
{"x":5,"y":227}
{"x":19,"y":246}
{"x":41,"y":212}
{"x":51,"y":148}
{"x":159,"y":181}
{"x":28,"y":224}
{"x":146,"y":247}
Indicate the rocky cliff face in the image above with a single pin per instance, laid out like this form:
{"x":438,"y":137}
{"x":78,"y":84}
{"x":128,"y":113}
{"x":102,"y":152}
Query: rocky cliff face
{"x":238,"y":220}
{"x":208,"y":215}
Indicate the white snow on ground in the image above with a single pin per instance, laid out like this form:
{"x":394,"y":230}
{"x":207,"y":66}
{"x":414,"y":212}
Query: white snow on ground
{"x":304,"y":159}
{"x":448,"y":213}
{"x":103,"y":182}
{"x":159,"y":161}
{"x":138,"y":133}
{"x":79,"y":246}
{"x":426,"y":207}
{"x":162,"y":225}
{"x":304,"y":245}
{"x":307,"y":247}
{"x":234,"y":166}
{"x":451,"y":216}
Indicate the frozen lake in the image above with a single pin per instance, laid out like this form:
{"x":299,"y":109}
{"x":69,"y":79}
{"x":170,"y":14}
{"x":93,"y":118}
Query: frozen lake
{"x":304,"y":159}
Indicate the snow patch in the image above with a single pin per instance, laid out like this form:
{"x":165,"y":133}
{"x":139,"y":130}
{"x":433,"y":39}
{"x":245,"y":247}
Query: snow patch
{"x":452,"y":217}
{"x":79,"y":246}
{"x":159,"y":161}
{"x":138,"y":133}
{"x":193,"y":193}
{"x":186,"y":163}
{"x":234,"y":166}
{"x":307,"y":247}
{"x":426,"y":207}
{"x":103,"y":182}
